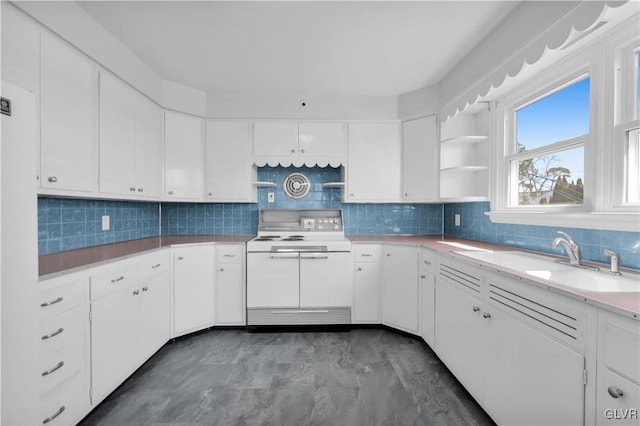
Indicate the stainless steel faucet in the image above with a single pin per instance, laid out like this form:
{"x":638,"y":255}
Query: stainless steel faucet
{"x":573,"y":251}
{"x":615,"y":261}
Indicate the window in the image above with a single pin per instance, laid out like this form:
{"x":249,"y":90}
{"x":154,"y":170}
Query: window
{"x":547,"y":153}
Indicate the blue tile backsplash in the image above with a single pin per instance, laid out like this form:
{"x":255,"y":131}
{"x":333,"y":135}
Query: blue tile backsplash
{"x":65,"y":224}
{"x":475,"y":225}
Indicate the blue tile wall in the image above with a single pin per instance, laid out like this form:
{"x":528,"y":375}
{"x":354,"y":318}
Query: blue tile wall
{"x":66,"y":224}
{"x":242,"y":219}
{"x":475,"y":225}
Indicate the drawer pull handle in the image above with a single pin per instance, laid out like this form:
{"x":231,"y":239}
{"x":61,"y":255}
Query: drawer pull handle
{"x":54,"y":334}
{"x":53,"y":302}
{"x":54,"y":415}
{"x":427,"y":262}
{"x":486,"y":315}
{"x":157,"y":265}
{"x":366,"y":254}
{"x":115,"y":280}
{"x":53,"y":179}
{"x":423,"y":277}
{"x":57,"y":367}
{"x":476,"y":308}
{"x":615,"y":392}
{"x":229,"y":255}
{"x":359,"y":269}
{"x":145,"y":288}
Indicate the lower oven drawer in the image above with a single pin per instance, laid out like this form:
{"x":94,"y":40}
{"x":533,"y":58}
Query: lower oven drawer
{"x":316,"y":316}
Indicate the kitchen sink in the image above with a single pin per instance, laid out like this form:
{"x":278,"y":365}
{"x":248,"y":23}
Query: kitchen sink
{"x":544,"y":268}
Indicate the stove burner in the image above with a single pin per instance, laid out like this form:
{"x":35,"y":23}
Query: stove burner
{"x":267,"y":238}
{"x":296,"y":236}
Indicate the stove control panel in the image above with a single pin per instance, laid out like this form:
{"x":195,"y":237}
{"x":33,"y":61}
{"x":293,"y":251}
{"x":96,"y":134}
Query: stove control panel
{"x":322,"y":224}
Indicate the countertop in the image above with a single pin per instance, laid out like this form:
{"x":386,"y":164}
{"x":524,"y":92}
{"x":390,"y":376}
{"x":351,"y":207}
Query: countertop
{"x":72,"y":260}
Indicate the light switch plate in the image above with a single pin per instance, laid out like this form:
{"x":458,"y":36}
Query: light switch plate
{"x":105,"y":223}
{"x":456,"y":218}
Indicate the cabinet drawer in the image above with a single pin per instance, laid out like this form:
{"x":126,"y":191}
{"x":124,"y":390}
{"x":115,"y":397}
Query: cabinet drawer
{"x":112,"y":280}
{"x":617,"y":398}
{"x":59,"y":295}
{"x":60,"y":364}
{"x":229,"y":253}
{"x":154,"y":264}
{"x":428,"y":261}
{"x":622,"y":349}
{"x":60,"y":329}
{"x":66,"y":404}
{"x":367,"y":252}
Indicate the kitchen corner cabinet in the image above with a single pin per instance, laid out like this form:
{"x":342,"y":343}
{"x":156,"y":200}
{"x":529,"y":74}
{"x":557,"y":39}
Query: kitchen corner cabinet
{"x":618,"y":376}
{"x":515,"y":350}
{"x":229,"y":168}
{"x":193,"y":288}
{"x":373,"y":163}
{"x":427,"y":293}
{"x":182,"y":157}
{"x":464,"y":157}
{"x":69,"y":119}
{"x":400,"y":287}
{"x":130,"y":141}
{"x":366,"y":284}
{"x":230,"y":307}
{"x":420,"y":160}
{"x":288,"y":142}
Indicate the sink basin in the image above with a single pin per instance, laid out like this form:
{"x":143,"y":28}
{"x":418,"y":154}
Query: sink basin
{"x":544,"y":268}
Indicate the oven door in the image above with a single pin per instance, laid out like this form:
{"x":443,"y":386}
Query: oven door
{"x":273,"y":280}
{"x":326,"y":279}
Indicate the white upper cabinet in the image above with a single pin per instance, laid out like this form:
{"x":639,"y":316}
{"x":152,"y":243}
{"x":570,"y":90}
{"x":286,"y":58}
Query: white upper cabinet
{"x":20,"y":51}
{"x":229,"y":169}
{"x":298,"y":143}
{"x":69,"y":119}
{"x":420,"y":165}
{"x":130,"y":141}
{"x":373,"y":164}
{"x":182,"y":157}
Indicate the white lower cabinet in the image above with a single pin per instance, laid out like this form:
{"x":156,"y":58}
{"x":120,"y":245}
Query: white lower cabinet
{"x":366,"y":284}
{"x":193,"y":288}
{"x":400,"y":287}
{"x":427,"y":292}
{"x":230,"y":307}
{"x":155,"y":302}
{"x":618,"y":381}
{"x":519,"y":373}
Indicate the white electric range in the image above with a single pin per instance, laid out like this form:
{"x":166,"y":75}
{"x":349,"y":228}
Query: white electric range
{"x":299,"y":269}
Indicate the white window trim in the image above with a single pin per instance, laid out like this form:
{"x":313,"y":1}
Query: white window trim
{"x":602,"y":163}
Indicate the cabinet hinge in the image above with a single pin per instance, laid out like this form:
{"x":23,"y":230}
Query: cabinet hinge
{"x":584,"y":376}
{"x":91,"y":395}
{"x":90,"y":316}
{"x":98,"y":79}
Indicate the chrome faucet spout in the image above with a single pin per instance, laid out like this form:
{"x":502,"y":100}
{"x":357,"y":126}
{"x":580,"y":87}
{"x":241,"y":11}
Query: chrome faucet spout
{"x":570,"y":246}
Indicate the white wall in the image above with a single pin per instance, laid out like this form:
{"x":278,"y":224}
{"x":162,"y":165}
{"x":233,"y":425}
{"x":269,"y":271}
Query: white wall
{"x":182,"y":98}
{"x":424,"y":101}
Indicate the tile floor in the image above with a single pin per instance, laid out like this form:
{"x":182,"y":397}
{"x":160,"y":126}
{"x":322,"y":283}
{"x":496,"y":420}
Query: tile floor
{"x":225,"y":377}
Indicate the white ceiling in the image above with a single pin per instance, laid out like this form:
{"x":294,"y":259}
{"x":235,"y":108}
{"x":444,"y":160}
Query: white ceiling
{"x":349,"y":48}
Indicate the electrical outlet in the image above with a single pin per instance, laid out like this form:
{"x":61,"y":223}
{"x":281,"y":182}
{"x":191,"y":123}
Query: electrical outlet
{"x":456,"y":218}
{"x":105,"y":223}
{"x":271,"y":197}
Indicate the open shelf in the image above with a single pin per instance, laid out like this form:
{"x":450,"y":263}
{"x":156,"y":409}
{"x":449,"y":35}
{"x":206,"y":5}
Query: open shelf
{"x":465,"y":139}
{"x":465,"y":169}
{"x":333,"y":185}
{"x":263,"y":184}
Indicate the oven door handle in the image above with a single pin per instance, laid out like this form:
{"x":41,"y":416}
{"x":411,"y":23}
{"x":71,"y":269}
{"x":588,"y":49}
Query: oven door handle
{"x":284,"y":255}
{"x":314,"y":256}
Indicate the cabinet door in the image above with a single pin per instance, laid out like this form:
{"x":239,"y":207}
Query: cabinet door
{"x":460,"y":340}
{"x":427,"y":307}
{"x":192,"y":289}
{"x":69,"y":116}
{"x":525,"y":371}
{"x":420,"y":165}
{"x":229,"y":167}
{"x":117,"y":136}
{"x":373,"y":165}
{"x":114,"y":339}
{"x":366,"y":293}
{"x":20,"y":51}
{"x":322,"y":140}
{"x":230,"y":307}
{"x":400,"y":288}
{"x":273,"y":280}
{"x":148,"y":154}
{"x":326,"y":280}
{"x":182,"y":157}
{"x":155,"y":313}
{"x":275,"y":138}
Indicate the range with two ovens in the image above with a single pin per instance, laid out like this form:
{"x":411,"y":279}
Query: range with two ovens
{"x":299,"y":269}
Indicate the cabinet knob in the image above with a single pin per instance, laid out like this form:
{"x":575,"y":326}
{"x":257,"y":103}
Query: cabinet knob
{"x":406,"y":194}
{"x":423,"y":277}
{"x":388,"y":254}
{"x":486,"y":315}
{"x":427,"y":262}
{"x":302,"y":151}
{"x":221,"y":269}
{"x":352,"y":195}
{"x":476,"y":308}
{"x":359,"y":269}
{"x":615,"y":392}
{"x":132,"y":188}
{"x":210,"y":194}
{"x":293,"y":151}
{"x":140,"y":189}
{"x":180,"y":257}
{"x":52,"y":179}
{"x":136,"y":292}
{"x":145,"y":288}
{"x":170,"y":192}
